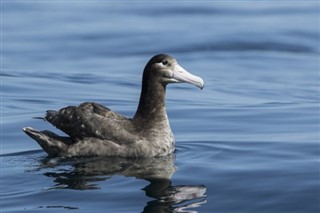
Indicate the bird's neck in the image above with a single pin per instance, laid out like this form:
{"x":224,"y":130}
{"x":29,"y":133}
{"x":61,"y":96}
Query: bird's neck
{"x":151,"y":109}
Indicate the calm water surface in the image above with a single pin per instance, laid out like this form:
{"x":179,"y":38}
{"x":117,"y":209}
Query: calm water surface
{"x":248,"y":142}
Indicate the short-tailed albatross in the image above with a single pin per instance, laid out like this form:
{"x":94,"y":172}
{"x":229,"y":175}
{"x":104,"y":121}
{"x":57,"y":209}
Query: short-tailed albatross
{"x":94,"y":130}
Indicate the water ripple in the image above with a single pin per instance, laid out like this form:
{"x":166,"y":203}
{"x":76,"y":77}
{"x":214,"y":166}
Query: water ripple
{"x":235,"y":46}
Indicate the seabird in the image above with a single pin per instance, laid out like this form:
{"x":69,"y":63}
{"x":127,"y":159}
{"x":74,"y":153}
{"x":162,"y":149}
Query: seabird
{"x":95,"y":130}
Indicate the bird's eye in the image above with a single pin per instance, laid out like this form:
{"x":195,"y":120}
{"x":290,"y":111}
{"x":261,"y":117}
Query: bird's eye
{"x":164,"y":62}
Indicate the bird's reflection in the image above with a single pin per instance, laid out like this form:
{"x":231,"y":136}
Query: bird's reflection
{"x":85,"y":173}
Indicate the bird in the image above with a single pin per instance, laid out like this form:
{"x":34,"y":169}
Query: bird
{"x":95,"y":130}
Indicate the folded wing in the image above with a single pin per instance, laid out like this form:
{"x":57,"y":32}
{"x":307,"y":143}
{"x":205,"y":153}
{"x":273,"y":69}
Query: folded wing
{"x":92,"y":120}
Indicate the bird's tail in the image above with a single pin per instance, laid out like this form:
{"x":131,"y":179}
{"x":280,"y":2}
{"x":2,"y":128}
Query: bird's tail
{"x":50,"y":142}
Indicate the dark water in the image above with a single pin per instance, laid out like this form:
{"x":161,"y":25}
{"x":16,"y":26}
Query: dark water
{"x":248,"y":142}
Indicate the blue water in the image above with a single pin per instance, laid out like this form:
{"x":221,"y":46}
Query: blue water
{"x":247,"y":142}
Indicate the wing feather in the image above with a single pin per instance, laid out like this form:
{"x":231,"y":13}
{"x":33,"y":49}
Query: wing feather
{"x":92,"y":120}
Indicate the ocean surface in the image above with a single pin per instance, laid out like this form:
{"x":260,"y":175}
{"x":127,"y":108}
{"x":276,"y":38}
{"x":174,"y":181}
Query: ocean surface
{"x":248,"y":142}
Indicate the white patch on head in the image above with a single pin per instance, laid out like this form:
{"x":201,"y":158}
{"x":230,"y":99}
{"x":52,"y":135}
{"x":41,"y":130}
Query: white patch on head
{"x":97,"y":132}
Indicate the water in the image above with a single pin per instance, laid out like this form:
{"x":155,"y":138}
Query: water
{"x":248,"y":142}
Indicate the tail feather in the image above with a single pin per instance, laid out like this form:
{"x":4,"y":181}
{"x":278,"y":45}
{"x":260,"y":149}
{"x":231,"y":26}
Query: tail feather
{"x":50,"y":142}
{"x":41,"y":118}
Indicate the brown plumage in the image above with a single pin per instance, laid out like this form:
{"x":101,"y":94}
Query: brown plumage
{"x":96,"y":130}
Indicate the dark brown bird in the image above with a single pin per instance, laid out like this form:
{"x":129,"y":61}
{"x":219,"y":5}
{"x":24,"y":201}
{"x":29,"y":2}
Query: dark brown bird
{"x":95,"y":130}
